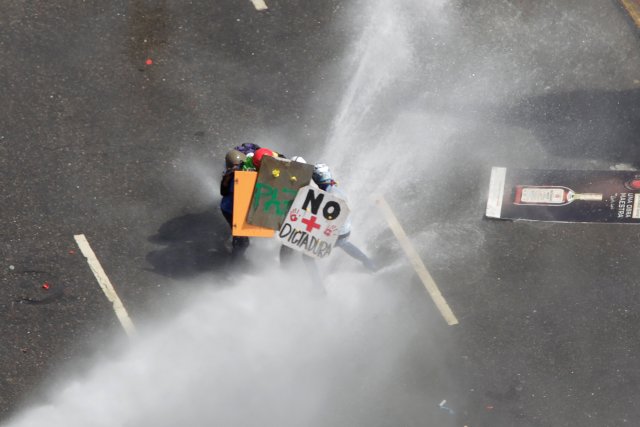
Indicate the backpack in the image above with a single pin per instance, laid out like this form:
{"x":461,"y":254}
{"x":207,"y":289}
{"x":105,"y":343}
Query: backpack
{"x":247,"y":148}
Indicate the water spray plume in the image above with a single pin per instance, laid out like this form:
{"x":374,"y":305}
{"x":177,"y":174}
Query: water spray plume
{"x":252,"y":354}
{"x":265,"y":351}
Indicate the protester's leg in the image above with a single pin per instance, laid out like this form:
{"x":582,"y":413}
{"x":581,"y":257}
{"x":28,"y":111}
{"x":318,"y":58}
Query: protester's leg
{"x":239,"y":244}
{"x":228,"y":216}
{"x":286,"y":256}
{"x":351,"y":249}
{"x":314,"y":272}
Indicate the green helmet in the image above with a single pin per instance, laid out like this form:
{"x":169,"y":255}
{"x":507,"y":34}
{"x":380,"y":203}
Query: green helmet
{"x":234,"y":158}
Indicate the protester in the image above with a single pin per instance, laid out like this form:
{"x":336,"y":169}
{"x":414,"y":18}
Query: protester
{"x":247,"y":148}
{"x":234,"y":161}
{"x":286,"y":254}
{"x":285,"y":251}
{"x":254,"y":162}
{"x":323,"y":178}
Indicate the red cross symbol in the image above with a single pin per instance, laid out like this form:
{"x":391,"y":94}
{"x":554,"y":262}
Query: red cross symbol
{"x":311,"y":223}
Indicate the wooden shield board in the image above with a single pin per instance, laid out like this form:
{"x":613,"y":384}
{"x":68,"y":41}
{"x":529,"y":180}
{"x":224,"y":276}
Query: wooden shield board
{"x":278,"y":183}
{"x":243,"y":184}
{"x":312,"y":224}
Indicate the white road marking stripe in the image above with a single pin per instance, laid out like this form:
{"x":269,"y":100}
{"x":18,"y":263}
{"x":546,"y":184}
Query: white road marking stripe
{"x":259,"y":4}
{"x":417,"y":263}
{"x":105,"y":284}
{"x":496,"y":192}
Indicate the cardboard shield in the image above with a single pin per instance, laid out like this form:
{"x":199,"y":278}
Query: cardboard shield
{"x":278,"y":183}
{"x":243,"y":184}
{"x":311,"y":225}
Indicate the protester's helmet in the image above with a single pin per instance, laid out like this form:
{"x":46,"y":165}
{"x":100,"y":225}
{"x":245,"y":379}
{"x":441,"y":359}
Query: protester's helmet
{"x":298,"y":159}
{"x":257,"y":157}
{"x":234,"y":158}
{"x":321,"y":173}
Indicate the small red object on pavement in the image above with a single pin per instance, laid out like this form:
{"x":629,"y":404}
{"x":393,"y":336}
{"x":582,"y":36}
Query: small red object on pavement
{"x":149,"y":61}
{"x":71,"y":252}
{"x":46,"y":286}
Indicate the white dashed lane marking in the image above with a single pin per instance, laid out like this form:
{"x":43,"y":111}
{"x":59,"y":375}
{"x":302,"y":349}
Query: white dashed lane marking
{"x":105,"y":284}
{"x":417,"y":263}
{"x":259,"y":4}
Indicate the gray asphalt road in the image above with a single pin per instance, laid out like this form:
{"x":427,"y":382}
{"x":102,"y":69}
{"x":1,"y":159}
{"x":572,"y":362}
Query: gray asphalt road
{"x":413,"y":100}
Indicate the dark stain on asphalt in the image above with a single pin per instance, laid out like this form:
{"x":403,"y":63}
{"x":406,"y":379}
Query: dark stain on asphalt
{"x":37,"y":287}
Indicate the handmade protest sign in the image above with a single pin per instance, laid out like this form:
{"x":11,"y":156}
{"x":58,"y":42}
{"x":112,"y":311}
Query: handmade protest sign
{"x":278,"y":183}
{"x":564,"y":195}
{"x":311,"y":225}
